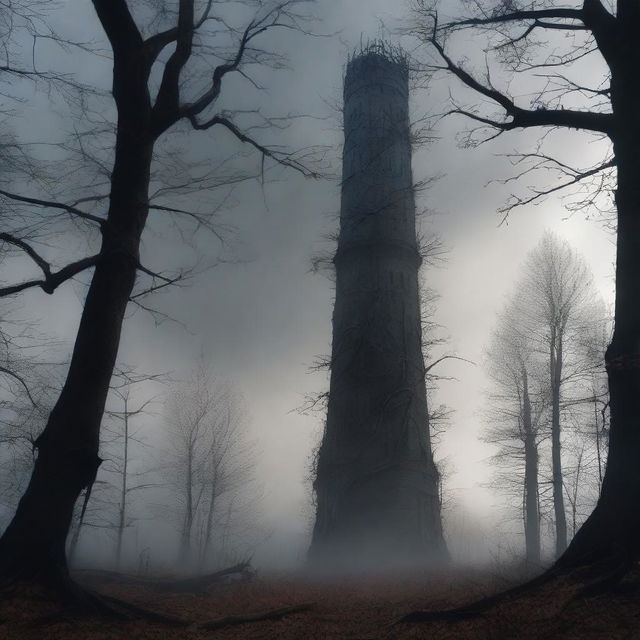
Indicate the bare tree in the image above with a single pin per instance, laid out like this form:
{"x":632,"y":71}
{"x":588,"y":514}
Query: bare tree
{"x":543,"y":375}
{"x":187,"y":419}
{"x":518,"y":406}
{"x":33,"y":545}
{"x":605,"y":37}
{"x":596,"y":402}
{"x":128,"y":479}
{"x":587,"y":411}
{"x":228,"y":470}
{"x":557,"y":293}
{"x":580,"y":479}
{"x":209,"y":460}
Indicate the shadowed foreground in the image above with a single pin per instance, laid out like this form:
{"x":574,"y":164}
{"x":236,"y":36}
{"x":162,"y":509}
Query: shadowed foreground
{"x":350,"y":609}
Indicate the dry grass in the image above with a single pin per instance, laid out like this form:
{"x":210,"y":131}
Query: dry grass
{"x":345,"y":609}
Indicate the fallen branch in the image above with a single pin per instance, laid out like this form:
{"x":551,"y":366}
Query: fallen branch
{"x":274,"y":614}
{"x":202,"y":583}
{"x":182,"y":585}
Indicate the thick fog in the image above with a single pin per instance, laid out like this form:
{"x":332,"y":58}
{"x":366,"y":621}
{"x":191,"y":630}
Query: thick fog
{"x":260,"y":316}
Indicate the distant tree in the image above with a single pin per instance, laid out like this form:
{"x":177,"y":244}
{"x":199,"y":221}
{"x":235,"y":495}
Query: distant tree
{"x":540,"y":368}
{"x":596,"y":402}
{"x":577,"y":475}
{"x":558,"y":294}
{"x":518,"y":406}
{"x":174,"y":74}
{"x":187,"y":417}
{"x":209,"y":460}
{"x":587,"y":410}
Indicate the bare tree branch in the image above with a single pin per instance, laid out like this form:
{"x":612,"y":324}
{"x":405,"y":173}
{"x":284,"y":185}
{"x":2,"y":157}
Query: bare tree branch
{"x":575,"y":178}
{"x":54,"y":205}
{"x":523,"y":118}
{"x":285,"y":159}
{"x":167,"y":106}
{"x":21,"y":380}
{"x":52,"y":279}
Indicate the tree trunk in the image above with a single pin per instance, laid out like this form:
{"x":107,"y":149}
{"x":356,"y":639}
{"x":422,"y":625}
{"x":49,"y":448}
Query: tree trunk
{"x":75,"y":539}
{"x":574,"y":498}
{"x":187,"y":524}
{"x":209,"y":528}
{"x":122,"y":515}
{"x":531,"y":514}
{"x":556,"y":447}
{"x":612,"y":531}
{"x":598,"y":438}
{"x":33,"y":545}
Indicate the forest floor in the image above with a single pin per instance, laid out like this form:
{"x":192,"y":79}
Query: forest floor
{"x":346,"y":609}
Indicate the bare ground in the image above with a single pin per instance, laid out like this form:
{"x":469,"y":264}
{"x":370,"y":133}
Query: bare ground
{"x":343,"y":609}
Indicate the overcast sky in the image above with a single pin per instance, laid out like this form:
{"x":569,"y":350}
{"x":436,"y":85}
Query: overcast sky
{"x":264,"y":319}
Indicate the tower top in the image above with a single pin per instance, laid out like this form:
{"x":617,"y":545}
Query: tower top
{"x":379,"y":49}
{"x":373,"y":64}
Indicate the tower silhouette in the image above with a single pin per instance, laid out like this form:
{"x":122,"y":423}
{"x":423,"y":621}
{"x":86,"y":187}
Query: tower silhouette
{"x":376,"y":484}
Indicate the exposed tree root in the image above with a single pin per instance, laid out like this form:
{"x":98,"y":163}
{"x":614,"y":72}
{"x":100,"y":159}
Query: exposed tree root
{"x":608,"y":581}
{"x":141,"y":613}
{"x":76,"y":601}
{"x":609,"y":574}
{"x":273,"y":614}
{"x":184,"y":585}
{"x":93,"y":604}
{"x":477,"y":608}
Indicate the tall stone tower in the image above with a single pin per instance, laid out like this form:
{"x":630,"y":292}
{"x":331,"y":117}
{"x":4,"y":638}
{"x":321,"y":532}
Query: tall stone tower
{"x":376,"y":484}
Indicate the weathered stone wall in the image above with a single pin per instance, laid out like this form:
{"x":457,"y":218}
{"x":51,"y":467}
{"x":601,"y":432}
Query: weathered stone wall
{"x":376,"y":484}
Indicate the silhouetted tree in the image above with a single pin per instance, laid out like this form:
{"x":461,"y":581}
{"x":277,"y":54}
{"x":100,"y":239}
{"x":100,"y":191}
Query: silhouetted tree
{"x":33,"y":545}
{"x":521,"y":37}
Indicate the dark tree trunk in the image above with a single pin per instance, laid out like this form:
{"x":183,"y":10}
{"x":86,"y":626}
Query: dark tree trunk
{"x":67,"y":462}
{"x":531,"y":514}
{"x":556,"y":446}
{"x":33,"y":545}
{"x":612,"y":531}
